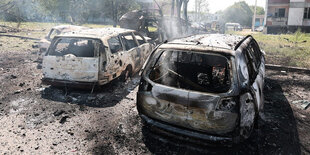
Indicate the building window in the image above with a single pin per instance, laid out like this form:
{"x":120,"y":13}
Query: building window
{"x":280,"y":12}
{"x":307,"y":13}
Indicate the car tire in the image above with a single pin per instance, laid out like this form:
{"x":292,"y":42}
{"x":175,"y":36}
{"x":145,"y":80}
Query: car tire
{"x":126,"y":74}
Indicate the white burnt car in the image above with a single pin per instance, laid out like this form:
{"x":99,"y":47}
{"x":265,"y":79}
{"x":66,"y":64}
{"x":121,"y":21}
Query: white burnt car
{"x":94,"y":57}
{"x":207,"y":87}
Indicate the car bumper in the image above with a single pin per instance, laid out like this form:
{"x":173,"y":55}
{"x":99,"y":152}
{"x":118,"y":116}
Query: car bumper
{"x":194,"y":136}
{"x":66,"y":83}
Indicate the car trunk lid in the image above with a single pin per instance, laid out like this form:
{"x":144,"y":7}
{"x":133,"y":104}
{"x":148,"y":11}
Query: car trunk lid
{"x":71,"y":68}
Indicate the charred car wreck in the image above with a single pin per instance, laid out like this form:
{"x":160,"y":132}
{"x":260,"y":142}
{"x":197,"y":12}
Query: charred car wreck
{"x":207,"y":87}
{"x":94,"y":57}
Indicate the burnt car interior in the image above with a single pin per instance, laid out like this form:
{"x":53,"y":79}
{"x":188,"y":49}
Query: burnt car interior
{"x":115,"y":45}
{"x":78,"y":47}
{"x":203,"y":72}
{"x":128,"y":41}
{"x":140,"y":39}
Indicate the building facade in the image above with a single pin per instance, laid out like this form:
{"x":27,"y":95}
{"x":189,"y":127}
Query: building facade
{"x":259,"y":20}
{"x":287,"y":16}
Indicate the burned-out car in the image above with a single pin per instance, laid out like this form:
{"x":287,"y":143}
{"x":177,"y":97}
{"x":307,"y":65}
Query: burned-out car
{"x":207,"y":87}
{"x":94,"y":57}
{"x":57,"y":30}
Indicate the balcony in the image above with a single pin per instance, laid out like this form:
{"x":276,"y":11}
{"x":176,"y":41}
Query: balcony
{"x":277,"y":21}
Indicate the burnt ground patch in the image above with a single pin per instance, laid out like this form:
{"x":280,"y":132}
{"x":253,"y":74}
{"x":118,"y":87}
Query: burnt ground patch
{"x":104,"y":96}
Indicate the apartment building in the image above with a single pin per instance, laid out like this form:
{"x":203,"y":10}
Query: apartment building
{"x":287,"y":16}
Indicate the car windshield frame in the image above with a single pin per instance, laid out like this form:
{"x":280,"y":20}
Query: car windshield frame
{"x":96,"y":50}
{"x":154,"y":59}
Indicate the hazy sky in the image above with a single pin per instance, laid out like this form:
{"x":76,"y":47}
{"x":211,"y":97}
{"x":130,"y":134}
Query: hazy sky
{"x":216,"y":5}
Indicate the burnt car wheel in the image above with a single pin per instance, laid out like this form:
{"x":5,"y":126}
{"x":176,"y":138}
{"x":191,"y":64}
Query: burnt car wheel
{"x":126,"y":74}
{"x":247,"y":116}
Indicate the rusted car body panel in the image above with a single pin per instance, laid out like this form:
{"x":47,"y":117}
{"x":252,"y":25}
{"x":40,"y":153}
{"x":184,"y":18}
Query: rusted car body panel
{"x":186,"y":110}
{"x":98,"y":68}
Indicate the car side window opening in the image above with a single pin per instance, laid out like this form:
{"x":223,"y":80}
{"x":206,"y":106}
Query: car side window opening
{"x":140,"y":39}
{"x":79,"y":47}
{"x":192,"y":71}
{"x":257,"y":51}
{"x":253,"y":57}
{"x":115,"y":45}
{"x":128,"y":41}
{"x":252,"y":70}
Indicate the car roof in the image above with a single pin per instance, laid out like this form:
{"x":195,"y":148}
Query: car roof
{"x":68,"y":27}
{"x":225,"y":43}
{"x":96,"y":33}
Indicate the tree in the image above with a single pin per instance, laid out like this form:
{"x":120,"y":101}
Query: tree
{"x":202,"y":6}
{"x":240,"y":12}
{"x":185,"y":10}
{"x":259,"y":10}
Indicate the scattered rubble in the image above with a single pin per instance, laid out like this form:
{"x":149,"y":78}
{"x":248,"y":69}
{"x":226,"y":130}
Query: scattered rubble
{"x":303,"y":104}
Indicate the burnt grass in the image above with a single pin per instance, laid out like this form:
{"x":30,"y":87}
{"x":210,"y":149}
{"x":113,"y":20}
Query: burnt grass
{"x":38,"y":119}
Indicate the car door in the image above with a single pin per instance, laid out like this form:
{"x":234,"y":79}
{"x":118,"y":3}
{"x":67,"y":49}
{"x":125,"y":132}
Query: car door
{"x":132,"y":54}
{"x":115,"y":63}
{"x":255,"y":78}
{"x":144,"y":46}
{"x":260,"y":63}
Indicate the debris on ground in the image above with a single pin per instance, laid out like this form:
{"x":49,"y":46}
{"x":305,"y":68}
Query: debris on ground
{"x":303,"y":104}
{"x":107,"y":122}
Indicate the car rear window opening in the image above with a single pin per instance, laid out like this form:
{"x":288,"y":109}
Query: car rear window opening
{"x":203,"y":72}
{"x":79,"y":47}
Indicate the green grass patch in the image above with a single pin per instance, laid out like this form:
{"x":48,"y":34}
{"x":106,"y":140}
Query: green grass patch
{"x":152,"y":29}
{"x":284,"y":49}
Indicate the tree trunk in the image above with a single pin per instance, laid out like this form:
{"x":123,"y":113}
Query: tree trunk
{"x":172,"y":7}
{"x":114,"y":13}
{"x":185,"y":14}
{"x":179,"y":22}
{"x":185,"y":10}
{"x":179,"y":5}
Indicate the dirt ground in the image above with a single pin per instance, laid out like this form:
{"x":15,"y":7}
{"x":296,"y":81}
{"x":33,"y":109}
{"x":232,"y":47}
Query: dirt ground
{"x":38,"y":119}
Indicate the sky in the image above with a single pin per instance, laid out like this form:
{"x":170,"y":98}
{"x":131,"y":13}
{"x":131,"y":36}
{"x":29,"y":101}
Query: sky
{"x":217,"y":5}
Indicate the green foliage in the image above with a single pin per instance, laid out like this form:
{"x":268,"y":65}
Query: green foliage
{"x":240,"y":13}
{"x":259,"y":10}
{"x":72,"y":11}
{"x":299,"y":36}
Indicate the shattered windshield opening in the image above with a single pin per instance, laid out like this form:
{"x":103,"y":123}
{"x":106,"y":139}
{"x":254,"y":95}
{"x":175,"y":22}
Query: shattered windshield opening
{"x":192,"y":71}
{"x":79,"y":47}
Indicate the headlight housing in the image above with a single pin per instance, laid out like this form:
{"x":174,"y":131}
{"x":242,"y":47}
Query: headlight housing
{"x":227,"y":104}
